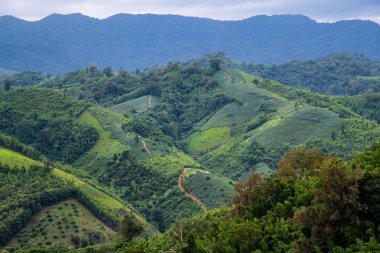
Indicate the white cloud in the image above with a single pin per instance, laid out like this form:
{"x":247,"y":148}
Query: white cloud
{"x":323,"y":10}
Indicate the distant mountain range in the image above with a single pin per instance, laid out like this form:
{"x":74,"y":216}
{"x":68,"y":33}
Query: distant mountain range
{"x":60,"y":43}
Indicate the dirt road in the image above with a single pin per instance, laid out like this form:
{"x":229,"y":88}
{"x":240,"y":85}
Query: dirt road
{"x":189,"y":194}
{"x":145,"y":146}
{"x":149,"y":101}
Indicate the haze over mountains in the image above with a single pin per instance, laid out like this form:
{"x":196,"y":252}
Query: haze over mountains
{"x":59,"y":43}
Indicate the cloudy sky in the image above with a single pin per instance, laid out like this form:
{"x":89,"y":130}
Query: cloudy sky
{"x":321,"y":10}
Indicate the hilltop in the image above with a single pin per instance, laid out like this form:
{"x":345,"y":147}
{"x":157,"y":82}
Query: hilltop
{"x":138,"y":41}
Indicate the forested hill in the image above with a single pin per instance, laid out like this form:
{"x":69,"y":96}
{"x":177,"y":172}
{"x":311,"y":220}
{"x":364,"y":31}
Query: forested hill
{"x":337,"y":73}
{"x":59,"y":43}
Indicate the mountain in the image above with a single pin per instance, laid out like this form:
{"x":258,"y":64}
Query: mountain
{"x":59,"y":43}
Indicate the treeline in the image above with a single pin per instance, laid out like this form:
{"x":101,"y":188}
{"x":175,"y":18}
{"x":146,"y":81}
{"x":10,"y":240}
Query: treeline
{"x":95,"y":84}
{"x":22,"y":194}
{"x":15,"y":145}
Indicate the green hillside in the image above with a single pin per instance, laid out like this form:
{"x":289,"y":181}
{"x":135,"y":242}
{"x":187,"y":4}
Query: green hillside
{"x":138,"y":105}
{"x":343,"y":73}
{"x":298,"y":127}
{"x":171,"y":142}
{"x":66,"y":223}
{"x":106,"y":208}
{"x":148,"y":181}
{"x":14,"y":159}
{"x":213,"y":190}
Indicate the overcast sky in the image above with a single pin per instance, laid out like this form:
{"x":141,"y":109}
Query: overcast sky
{"x":321,"y":10}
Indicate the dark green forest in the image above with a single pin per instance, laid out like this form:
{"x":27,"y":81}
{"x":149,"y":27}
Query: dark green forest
{"x":338,"y":73}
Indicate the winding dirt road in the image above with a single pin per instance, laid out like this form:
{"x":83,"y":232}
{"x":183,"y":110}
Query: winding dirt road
{"x":190,"y":194}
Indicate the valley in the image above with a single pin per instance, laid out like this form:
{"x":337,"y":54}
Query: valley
{"x":158,"y":160}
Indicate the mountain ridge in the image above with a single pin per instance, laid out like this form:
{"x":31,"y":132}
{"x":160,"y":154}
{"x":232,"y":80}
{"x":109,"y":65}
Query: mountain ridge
{"x":60,"y":43}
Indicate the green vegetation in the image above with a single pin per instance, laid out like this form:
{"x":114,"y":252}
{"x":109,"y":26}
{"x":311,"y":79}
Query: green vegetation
{"x":339,"y":73}
{"x":213,"y":190}
{"x":14,"y":159}
{"x":26,"y":78}
{"x":148,"y":182}
{"x":23,"y":192}
{"x":104,"y":141}
{"x":305,"y":207}
{"x":66,"y":223}
{"x":202,"y":142}
{"x":137,"y":105}
{"x":231,"y":124}
{"x":55,"y":185}
{"x":46,"y":120}
{"x":298,"y":127}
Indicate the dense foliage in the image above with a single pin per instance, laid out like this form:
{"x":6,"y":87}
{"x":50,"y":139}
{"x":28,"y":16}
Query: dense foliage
{"x":340,"y":73}
{"x":152,"y":193}
{"x":47,"y":121}
{"x":23,"y":193}
{"x":188,"y":94}
{"x":314,"y":203}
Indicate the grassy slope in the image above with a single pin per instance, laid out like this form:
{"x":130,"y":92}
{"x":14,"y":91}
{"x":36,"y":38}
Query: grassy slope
{"x":297,"y":127}
{"x":213,"y":190}
{"x":287,"y":124}
{"x":136,"y":105}
{"x":201,"y":142}
{"x":249,"y":100}
{"x":14,"y":159}
{"x":58,"y":223}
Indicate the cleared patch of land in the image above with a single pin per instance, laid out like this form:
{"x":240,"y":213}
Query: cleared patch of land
{"x":204,"y":141}
{"x":104,"y":141}
{"x":298,"y":127}
{"x":138,"y":105}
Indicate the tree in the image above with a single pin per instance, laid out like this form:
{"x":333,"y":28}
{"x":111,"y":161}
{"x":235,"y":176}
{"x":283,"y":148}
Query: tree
{"x":334,"y":208}
{"x":129,"y":227}
{"x":98,"y":95}
{"x":7,"y":84}
{"x":123,"y":73}
{"x":108,"y":72}
{"x":297,"y":162}
{"x":215,"y":63}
